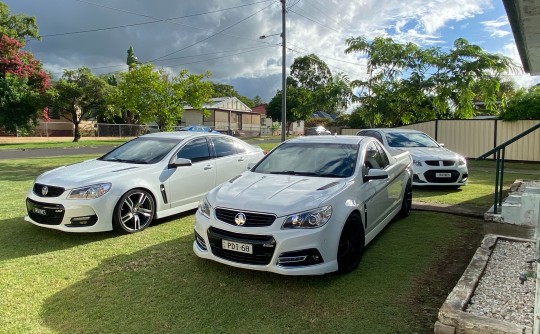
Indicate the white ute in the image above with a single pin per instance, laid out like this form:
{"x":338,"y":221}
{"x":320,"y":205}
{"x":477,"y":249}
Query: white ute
{"x":308,"y":208}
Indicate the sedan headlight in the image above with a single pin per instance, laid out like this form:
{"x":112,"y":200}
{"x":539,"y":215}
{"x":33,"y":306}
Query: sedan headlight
{"x":417,"y":163}
{"x":204,"y":207}
{"x":309,"y":219}
{"x":90,"y":192}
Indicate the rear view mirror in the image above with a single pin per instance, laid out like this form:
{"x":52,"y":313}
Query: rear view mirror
{"x":179,"y":162}
{"x":376,"y":174}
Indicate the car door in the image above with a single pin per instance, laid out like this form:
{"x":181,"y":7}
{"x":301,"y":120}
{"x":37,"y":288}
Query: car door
{"x":375,"y":191}
{"x":189,"y":183}
{"x":228,"y":162}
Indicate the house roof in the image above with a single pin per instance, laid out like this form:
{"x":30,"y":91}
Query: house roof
{"x":524,"y":17}
{"x":225,"y":103}
{"x":260,"y":109}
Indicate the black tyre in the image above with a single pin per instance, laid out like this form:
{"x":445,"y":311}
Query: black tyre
{"x":406,"y":204}
{"x":351,"y":245}
{"x":134,"y":211}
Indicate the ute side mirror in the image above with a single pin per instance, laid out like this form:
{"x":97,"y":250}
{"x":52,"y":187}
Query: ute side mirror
{"x":441,"y":144}
{"x":376,"y":174}
{"x":179,"y":162}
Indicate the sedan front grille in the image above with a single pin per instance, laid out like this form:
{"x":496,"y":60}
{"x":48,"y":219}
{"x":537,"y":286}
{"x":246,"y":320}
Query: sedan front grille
{"x":43,"y":190}
{"x":45,"y":213}
{"x":252,"y":219}
{"x":263,"y":246}
{"x":446,"y":163}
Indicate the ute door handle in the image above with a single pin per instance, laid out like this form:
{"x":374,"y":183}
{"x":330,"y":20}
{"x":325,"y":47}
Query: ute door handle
{"x":207,"y":167}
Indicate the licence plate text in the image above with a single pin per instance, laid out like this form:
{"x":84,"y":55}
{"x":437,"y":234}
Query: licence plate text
{"x":237,"y":246}
{"x":40,"y":211}
{"x":443,"y":175}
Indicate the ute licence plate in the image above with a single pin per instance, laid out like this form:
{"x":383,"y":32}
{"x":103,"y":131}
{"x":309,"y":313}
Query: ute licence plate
{"x":443,"y":175}
{"x":39,"y":211}
{"x":237,"y":246}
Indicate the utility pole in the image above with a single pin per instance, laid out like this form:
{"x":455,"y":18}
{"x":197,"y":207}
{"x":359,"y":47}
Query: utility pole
{"x":283,"y":76}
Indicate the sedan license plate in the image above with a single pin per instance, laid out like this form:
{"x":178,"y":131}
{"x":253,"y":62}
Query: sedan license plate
{"x":40,"y":211}
{"x":443,"y":175}
{"x":237,"y":246}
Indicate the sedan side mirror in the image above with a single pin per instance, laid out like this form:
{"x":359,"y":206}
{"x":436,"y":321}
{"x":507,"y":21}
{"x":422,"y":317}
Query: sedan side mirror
{"x":376,"y":174}
{"x":179,"y":162}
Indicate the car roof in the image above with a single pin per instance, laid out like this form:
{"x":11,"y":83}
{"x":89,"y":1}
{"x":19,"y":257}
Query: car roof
{"x":328,"y":139}
{"x":394,"y":130}
{"x":179,"y":134}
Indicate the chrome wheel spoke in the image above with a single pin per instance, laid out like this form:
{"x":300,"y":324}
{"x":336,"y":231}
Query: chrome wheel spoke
{"x":126,"y":218}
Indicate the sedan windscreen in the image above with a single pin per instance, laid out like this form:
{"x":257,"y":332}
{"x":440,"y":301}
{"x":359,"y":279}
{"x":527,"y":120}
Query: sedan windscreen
{"x":310,"y":159}
{"x":142,"y":150}
{"x":402,"y":139}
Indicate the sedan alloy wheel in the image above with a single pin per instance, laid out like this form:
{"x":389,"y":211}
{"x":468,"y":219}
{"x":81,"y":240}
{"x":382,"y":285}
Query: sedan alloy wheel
{"x":134,"y":212}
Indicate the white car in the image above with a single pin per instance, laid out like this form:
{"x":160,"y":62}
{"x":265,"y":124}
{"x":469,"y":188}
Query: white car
{"x":152,"y":176}
{"x":433,"y":164}
{"x":308,"y":208}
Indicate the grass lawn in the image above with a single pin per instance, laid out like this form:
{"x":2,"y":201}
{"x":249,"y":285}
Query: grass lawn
{"x":62,"y":144}
{"x":53,"y":282}
{"x":480,"y":189}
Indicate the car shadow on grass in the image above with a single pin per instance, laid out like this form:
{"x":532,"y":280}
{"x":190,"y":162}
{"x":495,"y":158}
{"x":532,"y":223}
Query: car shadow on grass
{"x":165,"y":288}
{"x":20,"y":238}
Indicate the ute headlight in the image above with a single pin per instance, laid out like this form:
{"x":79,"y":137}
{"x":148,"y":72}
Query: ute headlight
{"x":309,"y":219}
{"x":204,"y":207}
{"x":417,"y":163}
{"x":462,"y":161}
{"x":90,"y":192}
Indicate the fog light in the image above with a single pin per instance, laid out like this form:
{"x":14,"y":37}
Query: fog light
{"x":299,"y":258}
{"x":83,"y":221}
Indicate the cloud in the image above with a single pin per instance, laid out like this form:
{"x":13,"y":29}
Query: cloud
{"x":493,"y":27}
{"x":225,"y":40}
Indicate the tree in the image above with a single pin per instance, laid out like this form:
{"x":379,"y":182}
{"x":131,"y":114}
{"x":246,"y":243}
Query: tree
{"x":525,"y":104}
{"x":407,"y":84}
{"x":257,"y":100}
{"x":154,"y":96}
{"x":18,"y":26}
{"x":309,"y":72}
{"x":297,"y":106}
{"x":132,"y":60}
{"x":79,"y":95}
{"x":221,"y":90}
{"x":24,"y":85}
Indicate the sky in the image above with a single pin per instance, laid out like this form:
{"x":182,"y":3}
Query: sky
{"x":223,"y":36}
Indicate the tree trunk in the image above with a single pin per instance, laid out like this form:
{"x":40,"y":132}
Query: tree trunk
{"x":77,"y":133}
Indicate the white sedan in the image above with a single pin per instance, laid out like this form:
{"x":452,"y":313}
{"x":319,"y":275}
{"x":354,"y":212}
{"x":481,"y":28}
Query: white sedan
{"x":433,"y":164}
{"x":309,"y":207}
{"x":151,"y":176}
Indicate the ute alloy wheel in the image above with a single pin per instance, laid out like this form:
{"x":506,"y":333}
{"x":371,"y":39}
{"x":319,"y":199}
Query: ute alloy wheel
{"x":134,"y":211}
{"x":351,"y":245}
{"x":406,"y":204}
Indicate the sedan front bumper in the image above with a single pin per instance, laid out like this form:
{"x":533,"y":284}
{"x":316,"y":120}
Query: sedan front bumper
{"x":286,"y":252}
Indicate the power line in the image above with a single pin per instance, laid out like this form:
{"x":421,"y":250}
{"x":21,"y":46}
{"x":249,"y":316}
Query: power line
{"x":155,"y":20}
{"x":144,"y":23}
{"x":307,"y":55}
{"x":207,"y":38}
{"x":216,"y":58}
{"x":315,"y":21}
